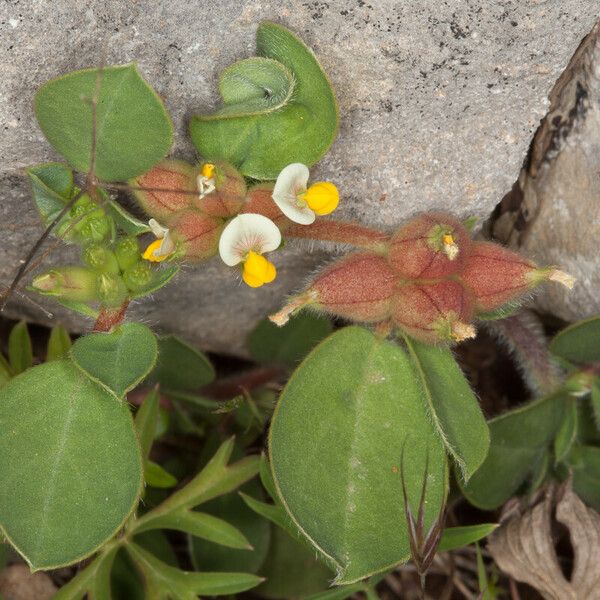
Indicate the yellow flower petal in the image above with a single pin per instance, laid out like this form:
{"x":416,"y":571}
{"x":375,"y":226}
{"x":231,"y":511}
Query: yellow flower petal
{"x":258,"y":270}
{"x":208,"y":170}
{"x":149,"y":252}
{"x":322,"y":197}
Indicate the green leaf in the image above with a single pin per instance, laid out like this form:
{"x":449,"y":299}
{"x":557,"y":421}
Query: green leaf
{"x":452,"y":405}
{"x":80,"y":307}
{"x":217,"y":478}
{"x":162,"y":276}
{"x":119,"y":360}
{"x":5,"y":370}
{"x":179,"y":366}
{"x":202,"y":525}
{"x":125,"y":221}
{"x":595,"y":402}
{"x":518,"y":441}
{"x":274,"y":513}
{"x":158,"y":477}
{"x":146,"y":420}
{"x":579,"y":343}
{"x":567,"y":432}
{"x":70,"y":470}
{"x":20,"y":353}
{"x":289,"y":344}
{"x":338,"y":593}
{"x":52,"y":187}
{"x":458,"y":537}
{"x":133,"y":129}
{"x":291,"y":569}
{"x":279,"y":109}
{"x":343,"y":421}
{"x":256,"y":530}
{"x":93,"y":580}
{"x":584,"y":462}
{"x":164,"y":581}
{"x":266,"y":477}
{"x":59,"y":343}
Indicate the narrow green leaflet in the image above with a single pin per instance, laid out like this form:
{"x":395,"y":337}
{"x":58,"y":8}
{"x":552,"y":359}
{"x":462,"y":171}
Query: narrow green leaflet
{"x":20,"y":353}
{"x":578,"y":343}
{"x":180,"y":366}
{"x":201,"y":525}
{"x":52,"y":186}
{"x":585,"y":466}
{"x":157,"y":476}
{"x":291,"y":569}
{"x":59,"y":343}
{"x":518,"y":442}
{"x":118,"y":360}
{"x":133,"y":129}
{"x":146,"y":419}
{"x":279,"y":109}
{"x":93,"y":580}
{"x":217,"y":478}
{"x":458,"y":537}
{"x":256,"y":530}
{"x":348,"y":415}
{"x":452,"y":405}
{"x":163,"y":582}
{"x":595,"y":402}
{"x":567,"y":432}
{"x":70,"y":468}
{"x":289,"y":344}
{"x":5,"y":370}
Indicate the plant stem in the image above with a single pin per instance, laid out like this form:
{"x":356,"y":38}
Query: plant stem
{"x":340,"y":232}
{"x":110,"y":317}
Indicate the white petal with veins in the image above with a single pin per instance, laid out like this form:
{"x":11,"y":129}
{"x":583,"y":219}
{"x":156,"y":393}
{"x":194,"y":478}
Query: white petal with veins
{"x":157,"y":229}
{"x":247,"y":232}
{"x":291,"y":182}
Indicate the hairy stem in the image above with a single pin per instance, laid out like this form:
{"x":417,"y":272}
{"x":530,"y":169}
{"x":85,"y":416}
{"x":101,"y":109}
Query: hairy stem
{"x":108,"y":318}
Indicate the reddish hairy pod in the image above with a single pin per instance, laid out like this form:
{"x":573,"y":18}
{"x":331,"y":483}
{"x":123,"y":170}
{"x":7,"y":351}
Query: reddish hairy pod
{"x":260,"y":201}
{"x":176,"y":179}
{"x":227,"y":198}
{"x":430,"y":246}
{"x":434,"y":312}
{"x":197,"y":234}
{"x":497,"y":276}
{"x":358,"y":287}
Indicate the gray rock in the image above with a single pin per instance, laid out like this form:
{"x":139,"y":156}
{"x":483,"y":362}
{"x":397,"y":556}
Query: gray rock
{"x":438,"y":102}
{"x":552,"y":214}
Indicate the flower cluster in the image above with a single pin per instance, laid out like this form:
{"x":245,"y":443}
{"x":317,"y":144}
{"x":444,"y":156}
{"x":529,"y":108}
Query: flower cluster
{"x":196,"y":213}
{"x":431,"y":281}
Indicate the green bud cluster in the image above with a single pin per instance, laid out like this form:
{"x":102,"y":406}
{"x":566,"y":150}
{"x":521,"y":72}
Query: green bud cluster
{"x":86,"y":223}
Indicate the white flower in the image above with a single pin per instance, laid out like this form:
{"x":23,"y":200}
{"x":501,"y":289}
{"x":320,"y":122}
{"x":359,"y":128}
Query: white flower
{"x":299,"y":203}
{"x":244,"y":240}
{"x":163,"y":246}
{"x":206,"y":180}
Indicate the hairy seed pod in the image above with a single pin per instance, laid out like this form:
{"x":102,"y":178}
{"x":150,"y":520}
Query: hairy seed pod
{"x":71,"y":283}
{"x":431,"y":246}
{"x":197,"y":233}
{"x":435,"y":312}
{"x":169,"y":187}
{"x":260,"y":201}
{"x":358,"y":287}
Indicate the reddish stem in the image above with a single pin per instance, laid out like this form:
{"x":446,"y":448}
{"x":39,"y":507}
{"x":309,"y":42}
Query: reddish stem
{"x":340,"y":232}
{"x":110,"y":317}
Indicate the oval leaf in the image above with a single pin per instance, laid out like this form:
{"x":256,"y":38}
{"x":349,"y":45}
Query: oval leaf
{"x":118,"y":360}
{"x":518,"y":442}
{"x":133,"y":129}
{"x":337,"y":439}
{"x":452,"y":405}
{"x":579,"y":343}
{"x":20,"y":353}
{"x":280,"y":109}
{"x":70,"y":468}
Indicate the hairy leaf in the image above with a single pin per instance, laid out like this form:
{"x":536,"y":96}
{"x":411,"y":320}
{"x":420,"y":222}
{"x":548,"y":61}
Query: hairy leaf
{"x":337,"y":437}
{"x":279,"y":109}
{"x":70,"y":468}
{"x":20,"y":353}
{"x":133,"y":130}
{"x":578,"y":343}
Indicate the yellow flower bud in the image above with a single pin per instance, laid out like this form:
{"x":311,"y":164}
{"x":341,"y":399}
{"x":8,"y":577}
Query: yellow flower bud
{"x":322,"y":197}
{"x":149,"y":252}
{"x":208,"y":170}
{"x":258,"y":270}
